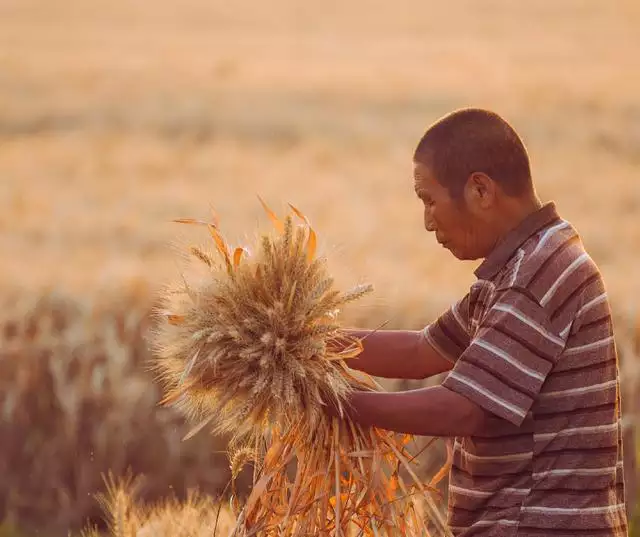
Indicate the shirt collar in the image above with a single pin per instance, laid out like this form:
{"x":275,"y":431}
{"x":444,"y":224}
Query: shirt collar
{"x":505,"y":249}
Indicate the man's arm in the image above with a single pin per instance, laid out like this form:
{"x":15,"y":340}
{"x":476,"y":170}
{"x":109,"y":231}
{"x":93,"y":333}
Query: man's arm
{"x":400,"y":354}
{"x":434,"y":411}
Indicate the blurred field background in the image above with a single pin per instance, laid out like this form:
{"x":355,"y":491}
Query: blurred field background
{"x":116,"y":117}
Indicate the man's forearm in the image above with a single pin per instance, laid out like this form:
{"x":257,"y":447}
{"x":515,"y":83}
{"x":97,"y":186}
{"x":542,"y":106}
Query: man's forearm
{"x":434,"y":411}
{"x":401,"y":354}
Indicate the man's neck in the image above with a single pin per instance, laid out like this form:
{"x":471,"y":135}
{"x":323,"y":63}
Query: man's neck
{"x":514,"y":213}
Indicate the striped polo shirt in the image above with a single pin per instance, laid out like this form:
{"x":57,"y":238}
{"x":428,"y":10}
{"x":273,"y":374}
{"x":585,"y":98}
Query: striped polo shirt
{"x":532,"y":343}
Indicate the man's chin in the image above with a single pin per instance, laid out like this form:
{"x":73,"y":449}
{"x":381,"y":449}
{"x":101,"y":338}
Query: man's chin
{"x":459,"y":254}
{"x":464,"y":257}
{"x":451,"y":249}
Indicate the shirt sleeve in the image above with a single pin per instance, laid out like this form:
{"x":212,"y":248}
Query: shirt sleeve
{"x":509,"y":357}
{"x":449,"y":334}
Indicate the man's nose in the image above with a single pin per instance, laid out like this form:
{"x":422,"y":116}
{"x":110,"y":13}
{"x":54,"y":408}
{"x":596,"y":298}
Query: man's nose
{"x":429,"y":224}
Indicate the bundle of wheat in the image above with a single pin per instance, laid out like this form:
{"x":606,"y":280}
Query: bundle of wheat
{"x":255,"y":350}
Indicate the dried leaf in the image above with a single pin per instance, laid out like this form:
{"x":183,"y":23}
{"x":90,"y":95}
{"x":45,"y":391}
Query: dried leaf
{"x":444,"y":471}
{"x":312,"y":239}
{"x":237,"y":255}
{"x":343,"y":499}
{"x":258,"y":490}
{"x":392,"y":487}
{"x":194,"y":221}
{"x":311,"y":244}
{"x":221,"y":245}
{"x":299,"y":214}
{"x":272,"y":216}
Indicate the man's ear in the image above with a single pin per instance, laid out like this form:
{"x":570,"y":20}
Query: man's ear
{"x":480,"y":190}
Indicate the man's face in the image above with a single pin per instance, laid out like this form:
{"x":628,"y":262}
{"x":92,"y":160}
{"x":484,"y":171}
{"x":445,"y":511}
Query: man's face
{"x":453,"y":222}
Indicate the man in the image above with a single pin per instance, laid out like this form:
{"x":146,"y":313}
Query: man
{"x":532,"y":391}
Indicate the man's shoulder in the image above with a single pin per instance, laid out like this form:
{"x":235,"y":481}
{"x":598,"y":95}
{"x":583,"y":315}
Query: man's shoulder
{"x":554,"y":269}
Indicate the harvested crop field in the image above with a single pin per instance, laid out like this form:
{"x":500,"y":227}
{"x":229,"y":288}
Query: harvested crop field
{"x":117,"y":117}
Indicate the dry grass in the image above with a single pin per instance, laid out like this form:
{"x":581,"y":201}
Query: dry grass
{"x":77,"y":401}
{"x":126,"y":516}
{"x":253,"y":348}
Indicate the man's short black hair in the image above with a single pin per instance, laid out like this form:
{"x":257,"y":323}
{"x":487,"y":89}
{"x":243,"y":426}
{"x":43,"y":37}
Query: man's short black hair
{"x":475,"y":140}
